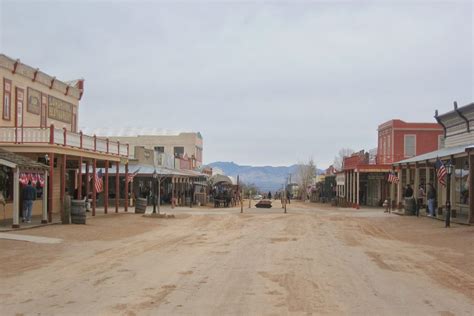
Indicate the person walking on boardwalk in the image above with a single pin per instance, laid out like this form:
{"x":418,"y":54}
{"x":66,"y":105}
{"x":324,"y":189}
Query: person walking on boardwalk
{"x":431,"y":196}
{"x":29,"y":195}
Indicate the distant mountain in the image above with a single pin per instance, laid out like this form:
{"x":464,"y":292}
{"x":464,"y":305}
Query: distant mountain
{"x":266,"y":178}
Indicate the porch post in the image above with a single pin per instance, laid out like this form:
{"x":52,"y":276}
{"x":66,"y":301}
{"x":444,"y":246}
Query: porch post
{"x":399,"y":186}
{"x":62,"y":186}
{"x":357,"y":187}
{"x":44,"y":218}
{"x":354,"y":193}
{"x":87,"y":180}
{"x":470,"y":218}
{"x":428,"y":175}
{"x":172,"y":191}
{"x":346,"y":187}
{"x":408,"y":175}
{"x":106,"y":191}
{"x":126,"y":187}
{"x":94,"y":191}
{"x":117,"y":186}
{"x":349,"y":188}
{"x":392,"y":192}
{"x":16,"y":198}
{"x":79,"y":181}
{"x":417,"y":182}
{"x":50,"y":187}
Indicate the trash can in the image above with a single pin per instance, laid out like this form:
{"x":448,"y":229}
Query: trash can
{"x":140,"y":206}
{"x":410,"y":206}
{"x":78,"y":212}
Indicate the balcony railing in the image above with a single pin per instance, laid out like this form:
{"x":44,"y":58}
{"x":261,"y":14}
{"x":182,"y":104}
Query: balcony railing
{"x":62,"y":137}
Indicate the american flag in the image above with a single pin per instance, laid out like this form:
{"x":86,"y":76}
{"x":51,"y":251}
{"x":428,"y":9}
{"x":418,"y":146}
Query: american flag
{"x":392,"y":178}
{"x":132,"y":175}
{"x":441,"y":172}
{"x":99,"y":185}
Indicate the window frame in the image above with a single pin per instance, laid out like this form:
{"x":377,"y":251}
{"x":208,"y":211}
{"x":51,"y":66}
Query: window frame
{"x":174,"y":151}
{"x":405,"y":145}
{"x":5,"y":93}
{"x":441,"y":139}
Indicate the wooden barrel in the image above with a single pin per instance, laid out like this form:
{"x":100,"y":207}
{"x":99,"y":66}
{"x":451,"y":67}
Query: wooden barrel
{"x":78,"y":212}
{"x":140,"y":205}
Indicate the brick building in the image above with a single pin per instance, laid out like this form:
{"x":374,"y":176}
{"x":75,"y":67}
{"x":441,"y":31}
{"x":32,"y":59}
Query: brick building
{"x":457,"y":126}
{"x":398,"y":140}
{"x":365,"y":173}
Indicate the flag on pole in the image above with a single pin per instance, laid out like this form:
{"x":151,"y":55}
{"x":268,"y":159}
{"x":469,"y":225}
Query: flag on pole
{"x":441,"y":172}
{"x":392,"y":178}
{"x":132,"y":175}
{"x":99,"y":185}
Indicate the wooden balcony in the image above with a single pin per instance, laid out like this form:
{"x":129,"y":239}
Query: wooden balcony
{"x":61,"y":137}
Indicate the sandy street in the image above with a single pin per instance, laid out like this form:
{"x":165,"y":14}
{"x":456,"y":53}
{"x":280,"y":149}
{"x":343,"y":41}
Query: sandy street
{"x":314,"y":260}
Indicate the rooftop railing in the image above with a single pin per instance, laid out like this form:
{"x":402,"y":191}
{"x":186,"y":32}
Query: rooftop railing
{"x":62,"y":137}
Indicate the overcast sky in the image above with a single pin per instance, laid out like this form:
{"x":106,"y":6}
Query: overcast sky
{"x":265,"y":83}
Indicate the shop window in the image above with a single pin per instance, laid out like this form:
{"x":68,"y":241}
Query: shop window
{"x":410,"y":145}
{"x":6,"y":183}
{"x":461,"y":181}
{"x":441,"y":141}
{"x":178,"y":151}
{"x":7,"y":97}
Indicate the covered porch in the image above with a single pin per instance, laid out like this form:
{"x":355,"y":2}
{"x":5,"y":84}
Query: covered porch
{"x":73,"y":161}
{"x":420,"y":171}
{"x":15,"y":173}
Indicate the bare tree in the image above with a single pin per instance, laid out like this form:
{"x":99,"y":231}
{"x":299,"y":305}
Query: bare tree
{"x":306,"y":172}
{"x":339,"y":159}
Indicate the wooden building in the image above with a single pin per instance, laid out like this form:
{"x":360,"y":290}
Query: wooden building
{"x":39,"y":119}
{"x":458,"y":125}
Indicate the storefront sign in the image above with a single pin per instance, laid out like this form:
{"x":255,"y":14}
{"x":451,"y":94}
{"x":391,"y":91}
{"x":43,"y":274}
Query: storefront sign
{"x":34,"y":101}
{"x":376,"y":176}
{"x":60,"y":110}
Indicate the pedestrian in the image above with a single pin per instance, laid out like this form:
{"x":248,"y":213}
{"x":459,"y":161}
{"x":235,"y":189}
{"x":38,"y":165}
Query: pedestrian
{"x":269,"y":195}
{"x":408,"y":191}
{"x":431,"y":196}
{"x":29,"y":195}
{"x":421,"y":195}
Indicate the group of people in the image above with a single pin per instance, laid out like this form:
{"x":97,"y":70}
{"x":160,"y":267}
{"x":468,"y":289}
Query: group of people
{"x":430,"y":197}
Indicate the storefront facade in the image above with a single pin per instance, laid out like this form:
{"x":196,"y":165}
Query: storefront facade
{"x":459,"y":144}
{"x":39,"y":119}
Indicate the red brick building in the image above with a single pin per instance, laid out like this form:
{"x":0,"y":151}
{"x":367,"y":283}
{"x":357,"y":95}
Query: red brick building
{"x":398,"y":140}
{"x":365,"y":173}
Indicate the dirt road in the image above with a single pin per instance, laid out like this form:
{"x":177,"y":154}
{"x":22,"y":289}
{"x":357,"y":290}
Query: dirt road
{"x":313,"y":260}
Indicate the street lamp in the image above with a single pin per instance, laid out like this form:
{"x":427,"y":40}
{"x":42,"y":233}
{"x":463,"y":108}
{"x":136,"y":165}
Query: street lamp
{"x":155,"y":175}
{"x":449,"y":171}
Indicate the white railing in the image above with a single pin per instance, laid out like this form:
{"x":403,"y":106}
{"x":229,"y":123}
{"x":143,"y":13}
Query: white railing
{"x":165,"y":160}
{"x":101,"y":145}
{"x":7,"y":135}
{"x":123,"y":150}
{"x":35,"y":135}
{"x":73,"y":139}
{"x":62,"y":137}
{"x":58,"y":136}
{"x":113,"y":148}
{"x":88,"y":142}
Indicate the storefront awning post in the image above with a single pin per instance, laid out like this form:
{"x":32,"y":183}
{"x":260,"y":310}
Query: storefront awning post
{"x":16,"y":198}
{"x":44,"y":217}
